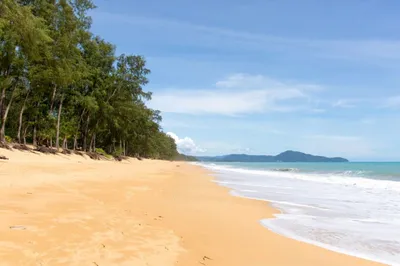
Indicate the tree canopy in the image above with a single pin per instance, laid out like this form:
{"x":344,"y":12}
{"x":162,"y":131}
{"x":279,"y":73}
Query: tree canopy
{"x":63,"y":87}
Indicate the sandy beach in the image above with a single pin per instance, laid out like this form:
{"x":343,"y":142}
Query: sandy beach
{"x":71,"y":210}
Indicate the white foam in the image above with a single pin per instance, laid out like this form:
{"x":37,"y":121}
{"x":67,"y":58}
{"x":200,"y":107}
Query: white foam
{"x":361,"y":220}
{"x":292,"y":235}
{"x":248,"y":190}
{"x":234,"y":193}
{"x":343,"y":178}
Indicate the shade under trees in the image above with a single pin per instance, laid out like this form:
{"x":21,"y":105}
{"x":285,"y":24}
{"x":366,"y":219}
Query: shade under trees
{"x":63,"y":87}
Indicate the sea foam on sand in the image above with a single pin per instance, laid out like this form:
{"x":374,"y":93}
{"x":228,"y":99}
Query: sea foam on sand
{"x":357,"y":216}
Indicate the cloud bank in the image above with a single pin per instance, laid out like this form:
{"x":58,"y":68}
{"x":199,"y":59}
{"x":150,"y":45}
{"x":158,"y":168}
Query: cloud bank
{"x":185,"y":145}
{"x":238,"y":94}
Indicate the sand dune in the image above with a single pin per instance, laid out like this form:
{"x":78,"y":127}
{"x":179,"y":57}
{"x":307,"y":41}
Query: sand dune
{"x":71,"y":210}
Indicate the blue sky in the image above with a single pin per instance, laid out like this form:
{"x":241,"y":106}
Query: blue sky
{"x":264,"y":76}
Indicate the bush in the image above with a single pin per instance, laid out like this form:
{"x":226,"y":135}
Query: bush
{"x":118,"y":152}
{"x":8,"y":139}
{"x":100,"y":151}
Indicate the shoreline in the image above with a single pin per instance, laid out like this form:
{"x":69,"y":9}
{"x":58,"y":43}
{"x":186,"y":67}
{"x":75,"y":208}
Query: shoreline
{"x":70,"y":210}
{"x":305,"y":240}
{"x":288,"y":235}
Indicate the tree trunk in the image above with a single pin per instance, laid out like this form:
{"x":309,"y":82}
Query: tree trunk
{"x":4,"y":119}
{"x":124,"y":148}
{"x":52,"y":99}
{"x":65,"y":143}
{"x":94,"y":141}
{"x":5,"y":75}
{"x":34,"y":140}
{"x":86,"y":133}
{"x":75,"y":142}
{"x":58,"y":123}
{"x":91,"y":144}
{"x":2,"y":100}
{"x":24,"y":137}
{"x":21,"y":113}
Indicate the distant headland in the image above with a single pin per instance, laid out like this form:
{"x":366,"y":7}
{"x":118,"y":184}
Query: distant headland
{"x":287,"y":156}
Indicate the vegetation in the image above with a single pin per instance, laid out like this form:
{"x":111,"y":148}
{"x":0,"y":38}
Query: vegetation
{"x":182,"y":157}
{"x":63,"y":87}
{"x":287,"y":156}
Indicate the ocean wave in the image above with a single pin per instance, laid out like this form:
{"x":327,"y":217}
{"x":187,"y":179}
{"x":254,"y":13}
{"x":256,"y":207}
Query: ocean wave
{"x":387,"y":258}
{"x":347,"y":178}
{"x":357,"y":173}
{"x":285,"y":169}
{"x":339,"y":210}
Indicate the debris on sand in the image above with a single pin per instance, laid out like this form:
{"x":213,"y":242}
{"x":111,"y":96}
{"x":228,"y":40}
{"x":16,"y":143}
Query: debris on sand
{"x":17,"y":227}
{"x":21,"y":147}
{"x":5,"y":146}
{"x":44,"y":149}
{"x":93,"y":155}
{"x":67,"y":152}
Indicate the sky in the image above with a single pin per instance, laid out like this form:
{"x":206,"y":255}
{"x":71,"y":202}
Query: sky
{"x":265,"y":76}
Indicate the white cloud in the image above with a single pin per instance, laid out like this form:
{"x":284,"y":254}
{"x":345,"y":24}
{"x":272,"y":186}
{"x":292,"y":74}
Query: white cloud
{"x":238,"y":94}
{"x":318,"y":110}
{"x":186,"y":145}
{"x":348,"y":103}
{"x":242,"y":80}
{"x":371,"y":50}
{"x":393,"y":102}
{"x":377,"y":102}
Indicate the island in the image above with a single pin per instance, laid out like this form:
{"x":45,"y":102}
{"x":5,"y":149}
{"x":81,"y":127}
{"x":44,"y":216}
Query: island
{"x":287,"y":156}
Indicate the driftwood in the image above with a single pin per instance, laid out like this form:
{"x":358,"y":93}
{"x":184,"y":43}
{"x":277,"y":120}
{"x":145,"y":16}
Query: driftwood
{"x":78,"y":153}
{"x":66,"y":151}
{"x":21,"y":147}
{"x":3,"y":157}
{"x":5,"y":146}
{"x":93,"y":155}
{"x":46,"y":150}
{"x":120,"y":158}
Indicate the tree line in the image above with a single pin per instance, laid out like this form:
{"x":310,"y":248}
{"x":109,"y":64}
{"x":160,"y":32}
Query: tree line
{"x":64,"y":87}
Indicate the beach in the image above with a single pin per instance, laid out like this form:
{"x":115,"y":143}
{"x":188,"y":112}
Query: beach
{"x":71,"y":210}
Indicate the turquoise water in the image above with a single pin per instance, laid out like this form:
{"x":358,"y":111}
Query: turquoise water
{"x":375,"y":170}
{"x":353,"y":208}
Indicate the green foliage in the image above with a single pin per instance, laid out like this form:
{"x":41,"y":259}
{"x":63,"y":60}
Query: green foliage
{"x":118,"y":152}
{"x":66,"y":87}
{"x":8,"y":139}
{"x":183,"y":157}
{"x":102,"y":152}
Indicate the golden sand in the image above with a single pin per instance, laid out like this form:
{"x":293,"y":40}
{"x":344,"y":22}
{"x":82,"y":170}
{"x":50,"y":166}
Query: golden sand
{"x":71,"y":210}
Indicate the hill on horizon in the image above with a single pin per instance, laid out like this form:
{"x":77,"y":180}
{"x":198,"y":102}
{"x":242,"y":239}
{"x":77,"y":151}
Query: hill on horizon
{"x":287,"y":156}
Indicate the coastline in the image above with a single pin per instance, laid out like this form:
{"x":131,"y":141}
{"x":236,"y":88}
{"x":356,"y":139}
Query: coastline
{"x":71,"y":210}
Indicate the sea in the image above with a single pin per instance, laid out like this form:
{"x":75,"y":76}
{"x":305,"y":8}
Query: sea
{"x":352,"y":208}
